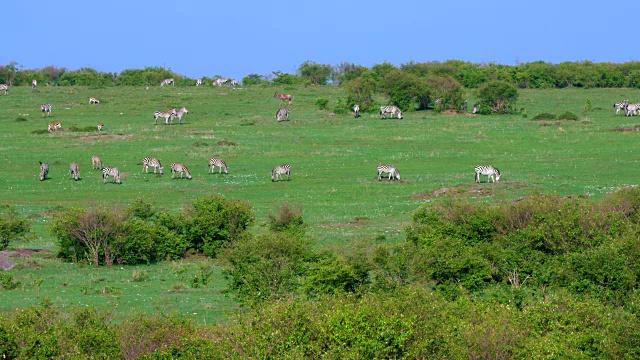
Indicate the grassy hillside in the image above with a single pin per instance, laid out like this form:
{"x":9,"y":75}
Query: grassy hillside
{"x":333,"y":160}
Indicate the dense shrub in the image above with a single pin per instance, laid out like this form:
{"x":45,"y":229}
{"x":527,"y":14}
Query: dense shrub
{"x":544,"y":116}
{"x":12,"y":226}
{"x":500,"y":96}
{"x":322,"y":103}
{"x":568,"y":115}
{"x":287,"y":219}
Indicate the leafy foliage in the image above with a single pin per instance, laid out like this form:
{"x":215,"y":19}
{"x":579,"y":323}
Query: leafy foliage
{"x":12,"y":227}
{"x":500,"y":96}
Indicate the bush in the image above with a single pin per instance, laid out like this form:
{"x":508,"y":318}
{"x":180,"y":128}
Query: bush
{"x":500,"y":96}
{"x":568,"y":115}
{"x":288,"y":219}
{"x":12,"y":227}
{"x":544,"y":116}
{"x":322,"y":103}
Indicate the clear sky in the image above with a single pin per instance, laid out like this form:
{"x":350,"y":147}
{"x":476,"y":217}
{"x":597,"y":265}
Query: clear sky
{"x":236,"y":38}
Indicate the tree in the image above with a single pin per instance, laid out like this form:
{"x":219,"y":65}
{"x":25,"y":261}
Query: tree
{"x":12,"y":227}
{"x":404,"y":89}
{"x":360,"y":91}
{"x":448,"y":90}
{"x":253,"y":79}
{"x":317,"y":74}
{"x":498,"y":96}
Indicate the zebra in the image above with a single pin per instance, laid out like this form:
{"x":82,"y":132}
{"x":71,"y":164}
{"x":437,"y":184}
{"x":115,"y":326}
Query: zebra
{"x":283,"y":113}
{"x":219,"y":163}
{"x":74,"y":170}
{"x":46,"y":108}
{"x":620,"y":106}
{"x":283,"y":97}
{"x":93,"y":100}
{"x":356,"y":110}
{"x":180,"y":113}
{"x":632,"y":109}
{"x":44,"y":170}
{"x":198,"y":82}
{"x":390,"y":109}
{"x":279,"y":170}
{"x":165,"y":114}
{"x":153,"y":162}
{"x":167,"y":82}
{"x":490,"y":171}
{"x":180,"y":168}
{"x":96,"y":162}
{"x":219,"y":81}
{"x":34,"y":84}
{"x":390,"y":169}
{"x":5,"y":87}
{"x":111,"y":171}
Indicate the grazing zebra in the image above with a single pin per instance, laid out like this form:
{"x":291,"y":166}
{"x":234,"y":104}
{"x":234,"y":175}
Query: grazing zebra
{"x":356,"y":110}
{"x":51,"y":127}
{"x":46,"y":108}
{"x":219,"y":81}
{"x":219,"y":163}
{"x":490,"y":171}
{"x":390,"y":169}
{"x":5,"y":87}
{"x":632,"y":109}
{"x":198,"y":82}
{"x":44,"y":170}
{"x":180,"y":168}
{"x":96,"y":162}
{"x":283,"y":97}
{"x":153,"y":162}
{"x":167,"y":82}
{"x":279,"y":170}
{"x":93,"y":100}
{"x":283,"y":113}
{"x":179,"y":114}
{"x":621,"y":106}
{"x":34,"y":84}
{"x":389,"y":109}
{"x":100,"y":126}
{"x":74,"y":170}
{"x":165,"y":114}
{"x":111,"y":171}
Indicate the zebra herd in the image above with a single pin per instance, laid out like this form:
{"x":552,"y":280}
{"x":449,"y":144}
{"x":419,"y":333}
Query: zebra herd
{"x":629,"y":109}
{"x":170,"y":115}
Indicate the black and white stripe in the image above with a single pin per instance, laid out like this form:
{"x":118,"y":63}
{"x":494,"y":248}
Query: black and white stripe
{"x":219,"y":163}
{"x":96,"y":162}
{"x":74,"y":170}
{"x":280,"y":170}
{"x":283,"y":113}
{"x":219,"y":81}
{"x":44,"y":170}
{"x":4,"y":87}
{"x":180,"y":113}
{"x":390,"y":109}
{"x":198,"y":82}
{"x":164,"y":114}
{"x":486,"y":170}
{"x":153,"y":162}
{"x":179,"y":168}
{"x":111,"y":171}
{"x":167,"y":82}
{"x":389,"y":169}
{"x":34,"y":84}
{"x":46,"y":108}
{"x":632,"y":109}
{"x":93,"y":100}
{"x":356,"y":110}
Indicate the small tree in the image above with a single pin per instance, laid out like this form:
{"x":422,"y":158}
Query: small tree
{"x":12,"y":227}
{"x":499,"y":96}
{"x":360,"y":91}
{"x":316,"y":74}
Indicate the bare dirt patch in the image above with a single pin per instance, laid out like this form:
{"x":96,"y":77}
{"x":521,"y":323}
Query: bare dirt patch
{"x":106,"y":136}
{"x":22,"y":253}
{"x":631,"y":129}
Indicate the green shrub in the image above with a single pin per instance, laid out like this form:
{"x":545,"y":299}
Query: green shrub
{"x":8,"y":345}
{"x":544,"y":116}
{"x":322,"y":103}
{"x":288,"y":219}
{"x":568,"y":115}
{"x":20,"y":119}
{"x":499,"y":96}
{"x":12,"y":227}
{"x":337,"y":274}
{"x":7,"y":282}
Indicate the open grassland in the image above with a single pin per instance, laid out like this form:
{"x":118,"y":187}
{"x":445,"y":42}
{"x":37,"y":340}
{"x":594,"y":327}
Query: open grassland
{"x":333,"y":160}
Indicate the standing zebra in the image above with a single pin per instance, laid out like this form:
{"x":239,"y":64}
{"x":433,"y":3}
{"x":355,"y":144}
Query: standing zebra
{"x":183,"y":110}
{"x":283,"y":97}
{"x":198,"y":82}
{"x":74,"y":170}
{"x":219,"y":163}
{"x":621,"y":106}
{"x":34,"y":84}
{"x":96,"y":162}
{"x":356,"y":110}
{"x":180,"y":168}
{"x":46,"y":108}
{"x":390,"y":169}
{"x":489,"y":171}
{"x":279,"y":170}
{"x":390,"y":109}
{"x":153,"y":162}
{"x":109,"y":171}
{"x":44,"y":170}
{"x":167,"y":82}
{"x":632,"y":109}
{"x":93,"y":100}
{"x":283,"y":113}
{"x":4,"y":87}
{"x":219,"y":81}
{"x":165,"y":114}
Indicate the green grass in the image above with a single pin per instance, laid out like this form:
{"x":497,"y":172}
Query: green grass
{"x":333,"y":160}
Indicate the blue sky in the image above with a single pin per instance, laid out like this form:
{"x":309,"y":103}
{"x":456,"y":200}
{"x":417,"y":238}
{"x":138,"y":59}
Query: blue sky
{"x":236,"y":38}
